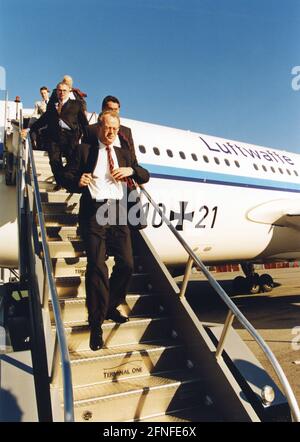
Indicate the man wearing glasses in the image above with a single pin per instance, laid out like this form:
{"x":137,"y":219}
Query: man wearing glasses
{"x":103,"y":173}
{"x":65,"y":120}
{"x":125,"y":136}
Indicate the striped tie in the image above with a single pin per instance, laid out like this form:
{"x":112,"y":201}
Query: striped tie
{"x":129,"y":181}
{"x":59,"y":107}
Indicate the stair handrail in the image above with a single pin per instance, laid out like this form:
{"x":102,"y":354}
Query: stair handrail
{"x":295,"y":412}
{"x":62,"y":342}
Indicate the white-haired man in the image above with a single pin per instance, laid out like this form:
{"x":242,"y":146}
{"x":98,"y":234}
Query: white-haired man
{"x":101,"y":172}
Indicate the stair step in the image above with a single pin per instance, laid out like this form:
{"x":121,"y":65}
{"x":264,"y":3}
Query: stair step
{"x":132,"y":332}
{"x":63,"y":233}
{"x":43,"y":164}
{"x":64,"y":207}
{"x":68,"y":252}
{"x":74,"y":267}
{"x":60,"y":219}
{"x":50,"y":187}
{"x":113,"y":364}
{"x":66,"y":249}
{"x":45,"y":177}
{"x":43,"y":167}
{"x":137,"y":397}
{"x":136,"y":305}
{"x":69,"y":268}
{"x":40,"y":155}
{"x":60,"y":197}
{"x":204,"y":412}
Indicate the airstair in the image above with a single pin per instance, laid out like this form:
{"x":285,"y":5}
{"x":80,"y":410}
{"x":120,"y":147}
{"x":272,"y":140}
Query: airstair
{"x":164,"y":364}
{"x":145,"y":370}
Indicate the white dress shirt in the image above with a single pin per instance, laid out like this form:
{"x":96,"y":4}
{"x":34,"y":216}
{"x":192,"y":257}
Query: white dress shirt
{"x":102,"y":185}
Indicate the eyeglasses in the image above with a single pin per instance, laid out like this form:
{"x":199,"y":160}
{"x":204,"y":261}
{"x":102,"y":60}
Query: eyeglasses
{"x":113,"y":129}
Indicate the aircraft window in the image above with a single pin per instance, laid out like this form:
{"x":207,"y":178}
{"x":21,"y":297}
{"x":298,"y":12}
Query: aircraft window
{"x":142,"y":149}
{"x":264,"y":168}
{"x":227,"y":162}
{"x":280,"y":170}
{"x":170,"y":153}
{"x":255,"y":166}
{"x":205,"y":159}
{"x":194,"y":156}
{"x":295,"y":172}
{"x":156,"y":151}
{"x":288,"y":171}
{"x":237,"y":163}
{"x":217,"y":161}
{"x":182,"y":155}
{"x":272,"y":168}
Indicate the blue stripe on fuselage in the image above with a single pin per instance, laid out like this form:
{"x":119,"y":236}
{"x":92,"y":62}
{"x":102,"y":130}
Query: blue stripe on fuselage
{"x":200,"y":176}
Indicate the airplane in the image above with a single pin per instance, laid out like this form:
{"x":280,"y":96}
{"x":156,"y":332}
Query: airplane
{"x":232,"y":202}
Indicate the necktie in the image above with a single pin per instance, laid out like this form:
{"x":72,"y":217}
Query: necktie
{"x":59,"y":107}
{"x":128,"y":180}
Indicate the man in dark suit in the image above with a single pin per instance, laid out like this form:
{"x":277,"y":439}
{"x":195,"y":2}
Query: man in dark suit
{"x":111,"y":103}
{"x":65,"y":121}
{"x":101,"y":173}
{"x":75,"y":93}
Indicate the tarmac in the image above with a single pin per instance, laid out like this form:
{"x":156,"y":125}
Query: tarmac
{"x":275,"y":315}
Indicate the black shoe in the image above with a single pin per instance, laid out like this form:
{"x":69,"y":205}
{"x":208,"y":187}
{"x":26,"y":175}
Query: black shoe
{"x":116,"y":316}
{"x":96,"y":339}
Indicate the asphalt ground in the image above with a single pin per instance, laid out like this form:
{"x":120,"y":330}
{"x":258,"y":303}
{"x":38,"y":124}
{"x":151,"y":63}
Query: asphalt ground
{"x":275,"y":315}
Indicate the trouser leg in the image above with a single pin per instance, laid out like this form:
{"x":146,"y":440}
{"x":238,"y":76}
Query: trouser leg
{"x":55,"y":158}
{"x":119,"y":244}
{"x":64,"y":146}
{"x":96,"y":279}
{"x":103,"y":294}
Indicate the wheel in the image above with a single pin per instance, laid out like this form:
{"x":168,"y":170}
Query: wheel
{"x":254,"y":289}
{"x":239,"y":285}
{"x":266,"y":282}
{"x":253,"y":286}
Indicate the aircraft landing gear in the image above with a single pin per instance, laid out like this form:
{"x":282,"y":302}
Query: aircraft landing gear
{"x":252,"y":283}
{"x":266,"y":282}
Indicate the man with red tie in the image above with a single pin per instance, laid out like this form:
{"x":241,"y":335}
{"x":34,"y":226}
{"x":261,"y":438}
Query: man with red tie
{"x":65,"y":120}
{"x":111,"y":103}
{"x":102,"y":172}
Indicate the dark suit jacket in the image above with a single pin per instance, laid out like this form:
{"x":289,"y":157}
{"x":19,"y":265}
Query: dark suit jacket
{"x":72,"y":114}
{"x":84,"y":160}
{"x":125,"y":137}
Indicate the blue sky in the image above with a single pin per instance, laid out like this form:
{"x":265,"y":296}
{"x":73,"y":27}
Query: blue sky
{"x":220,"y":67}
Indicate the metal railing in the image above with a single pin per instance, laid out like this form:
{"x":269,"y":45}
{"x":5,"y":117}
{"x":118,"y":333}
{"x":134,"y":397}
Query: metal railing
{"x":233,"y":312}
{"x":62,"y":343}
{"x":93,"y":114}
{"x":21,"y":193}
